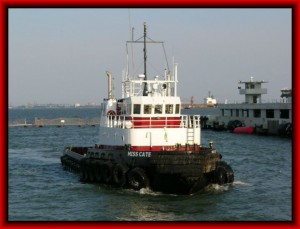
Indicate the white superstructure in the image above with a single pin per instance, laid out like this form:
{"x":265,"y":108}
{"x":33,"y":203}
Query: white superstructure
{"x":147,"y":117}
{"x":152,"y":122}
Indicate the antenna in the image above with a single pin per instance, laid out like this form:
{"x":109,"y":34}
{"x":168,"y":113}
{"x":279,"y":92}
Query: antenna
{"x":133,"y":70}
{"x":129,"y":19}
{"x":131,"y":32}
{"x":144,"y":40}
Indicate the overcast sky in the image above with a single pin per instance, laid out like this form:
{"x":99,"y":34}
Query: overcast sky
{"x":61,"y":55}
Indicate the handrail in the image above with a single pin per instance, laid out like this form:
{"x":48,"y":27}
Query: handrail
{"x":184,"y":121}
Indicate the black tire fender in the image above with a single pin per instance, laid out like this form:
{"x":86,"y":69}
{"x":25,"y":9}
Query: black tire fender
{"x":90,"y":170}
{"x":83,"y":172}
{"x":63,"y":159}
{"x":224,"y":173}
{"x":138,"y":179}
{"x":107,"y":172}
{"x":63,"y":162}
{"x":67,"y":164}
{"x":119,"y":175}
{"x":220,"y":176}
{"x":98,"y":171}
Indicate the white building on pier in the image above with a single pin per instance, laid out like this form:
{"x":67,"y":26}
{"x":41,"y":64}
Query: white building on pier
{"x":253,"y":112}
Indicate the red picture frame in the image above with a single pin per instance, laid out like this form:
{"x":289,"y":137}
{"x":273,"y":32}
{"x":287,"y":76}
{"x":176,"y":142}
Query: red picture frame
{"x":6,"y":4}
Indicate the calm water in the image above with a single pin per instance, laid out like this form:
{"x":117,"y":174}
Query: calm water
{"x":38,"y":188}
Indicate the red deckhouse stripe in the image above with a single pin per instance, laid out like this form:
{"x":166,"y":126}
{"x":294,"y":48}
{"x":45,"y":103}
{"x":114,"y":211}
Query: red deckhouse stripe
{"x":115,"y":121}
{"x":151,"y":148}
{"x":158,"y":122}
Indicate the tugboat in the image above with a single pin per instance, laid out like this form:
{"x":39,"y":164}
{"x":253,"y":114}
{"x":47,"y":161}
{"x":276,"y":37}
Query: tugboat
{"x":145,"y":142}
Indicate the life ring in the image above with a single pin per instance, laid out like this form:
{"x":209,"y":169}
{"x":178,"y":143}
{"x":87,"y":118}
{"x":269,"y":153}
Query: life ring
{"x":119,"y":175}
{"x":111,"y":113}
{"x":107,"y":172}
{"x":138,"y":179}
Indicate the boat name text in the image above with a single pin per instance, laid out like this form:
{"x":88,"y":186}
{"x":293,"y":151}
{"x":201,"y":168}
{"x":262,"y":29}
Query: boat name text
{"x":139,"y":154}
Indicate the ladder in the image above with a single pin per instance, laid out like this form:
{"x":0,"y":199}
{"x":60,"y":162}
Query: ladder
{"x":190,"y":134}
{"x":190,"y":131}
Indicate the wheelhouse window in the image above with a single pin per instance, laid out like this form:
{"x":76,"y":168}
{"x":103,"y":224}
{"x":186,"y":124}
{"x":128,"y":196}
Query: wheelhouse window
{"x":169,"y":109}
{"x":158,"y":109}
{"x":177,"y":108}
{"x":147,"y":109}
{"x":136,"y":108}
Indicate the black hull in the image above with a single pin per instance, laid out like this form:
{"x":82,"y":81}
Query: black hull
{"x":174,"y":172}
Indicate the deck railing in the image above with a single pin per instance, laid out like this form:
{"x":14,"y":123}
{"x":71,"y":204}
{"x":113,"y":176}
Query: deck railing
{"x":184,"y":121}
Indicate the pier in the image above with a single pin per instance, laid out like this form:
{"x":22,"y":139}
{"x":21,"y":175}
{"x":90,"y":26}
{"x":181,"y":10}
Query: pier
{"x":59,"y":122}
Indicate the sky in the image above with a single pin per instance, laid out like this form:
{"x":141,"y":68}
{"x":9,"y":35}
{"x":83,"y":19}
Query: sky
{"x":60,"y":56}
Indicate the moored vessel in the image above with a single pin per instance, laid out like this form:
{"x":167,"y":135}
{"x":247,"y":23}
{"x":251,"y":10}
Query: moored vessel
{"x":145,"y":141}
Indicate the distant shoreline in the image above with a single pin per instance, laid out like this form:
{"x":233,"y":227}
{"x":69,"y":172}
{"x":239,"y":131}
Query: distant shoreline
{"x":55,"y":106}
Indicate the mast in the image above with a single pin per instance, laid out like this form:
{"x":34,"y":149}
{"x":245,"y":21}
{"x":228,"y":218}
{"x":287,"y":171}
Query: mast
{"x":145,"y":91}
{"x":144,"y":81}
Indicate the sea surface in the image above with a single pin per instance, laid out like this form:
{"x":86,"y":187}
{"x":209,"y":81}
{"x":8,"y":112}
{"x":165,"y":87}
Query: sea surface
{"x":40,"y":190}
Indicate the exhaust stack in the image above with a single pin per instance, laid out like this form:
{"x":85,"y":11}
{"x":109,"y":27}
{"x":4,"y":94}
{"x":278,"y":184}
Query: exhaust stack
{"x":110,"y":88}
